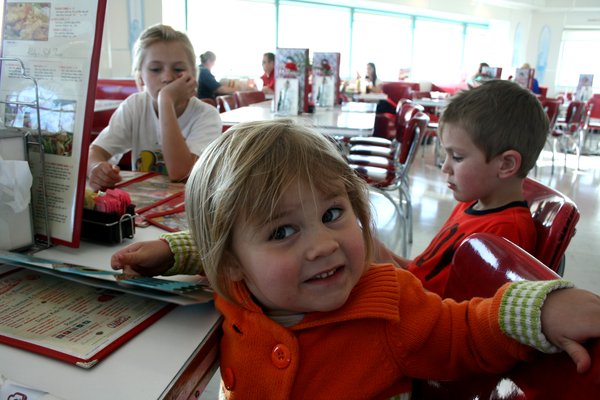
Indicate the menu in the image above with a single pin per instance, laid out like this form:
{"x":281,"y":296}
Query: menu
{"x":75,"y":323}
{"x":325,"y":84}
{"x":58,"y":43}
{"x":524,"y":77}
{"x":291,"y":81}
{"x":584,"y":87}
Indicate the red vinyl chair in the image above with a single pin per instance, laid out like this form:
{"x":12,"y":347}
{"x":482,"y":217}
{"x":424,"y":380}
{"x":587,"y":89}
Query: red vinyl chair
{"x":225,"y":103}
{"x":481,"y":264}
{"x":386,"y":168}
{"x":245,"y":98}
{"x":552,"y":108}
{"x":399,"y":90}
{"x":555,"y":217}
{"x":570,"y":131}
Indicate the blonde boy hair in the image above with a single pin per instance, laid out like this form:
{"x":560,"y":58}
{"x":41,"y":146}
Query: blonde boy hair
{"x":500,"y":115}
{"x":241,"y":177}
{"x":160,"y":33}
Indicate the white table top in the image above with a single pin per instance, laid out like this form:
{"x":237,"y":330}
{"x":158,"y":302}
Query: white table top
{"x":427,"y":102}
{"x":334,"y":121}
{"x":106,"y":104}
{"x":142,"y":368}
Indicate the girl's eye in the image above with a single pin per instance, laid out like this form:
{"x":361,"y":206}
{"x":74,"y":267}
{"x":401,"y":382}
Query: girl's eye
{"x":282,"y":232}
{"x":457,"y":158}
{"x":331,"y":215}
{"x":155,"y":70}
{"x":180,"y":70}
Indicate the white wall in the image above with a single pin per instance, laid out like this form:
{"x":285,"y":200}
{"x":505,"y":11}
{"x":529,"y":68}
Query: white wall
{"x":115,"y":56}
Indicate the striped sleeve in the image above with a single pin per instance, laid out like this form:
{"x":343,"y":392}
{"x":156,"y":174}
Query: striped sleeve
{"x":520,"y":312}
{"x":187,"y":258}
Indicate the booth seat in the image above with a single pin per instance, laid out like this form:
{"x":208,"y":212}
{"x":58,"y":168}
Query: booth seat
{"x":449,"y":88}
{"x":112,"y":89}
{"x":115,"y":88}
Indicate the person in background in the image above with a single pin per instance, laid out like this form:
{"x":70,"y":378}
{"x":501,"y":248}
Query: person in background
{"x":208,"y":86}
{"x":284,"y":228}
{"x":164,"y":122}
{"x":268,"y":78}
{"x":479,"y":77}
{"x":371,"y":84}
{"x":535,"y":86}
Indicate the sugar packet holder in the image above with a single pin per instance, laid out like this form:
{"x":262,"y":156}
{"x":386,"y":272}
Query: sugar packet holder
{"x":111,"y":220}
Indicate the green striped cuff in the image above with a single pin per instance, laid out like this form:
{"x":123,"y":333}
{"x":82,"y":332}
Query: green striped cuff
{"x":520,"y":312}
{"x":187,"y":258}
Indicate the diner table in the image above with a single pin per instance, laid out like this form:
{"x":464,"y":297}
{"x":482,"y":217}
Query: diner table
{"x":174,"y":358}
{"x":334,"y":121}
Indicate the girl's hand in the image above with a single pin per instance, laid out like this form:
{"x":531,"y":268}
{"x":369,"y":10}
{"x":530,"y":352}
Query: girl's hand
{"x":569,"y":318}
{"x":179,"y":91}
{"x":147,"y":258}
{"x":103,"y":175}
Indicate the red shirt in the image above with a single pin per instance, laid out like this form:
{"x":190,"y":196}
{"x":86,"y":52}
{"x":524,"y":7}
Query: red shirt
{"x":512,"y":221}
{"x":269,"y":81}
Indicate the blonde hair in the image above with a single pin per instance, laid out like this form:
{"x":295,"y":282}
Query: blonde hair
{"x":155,"y":34}
{"x":241,"y":176}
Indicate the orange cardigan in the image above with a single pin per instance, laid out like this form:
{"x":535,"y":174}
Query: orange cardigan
{"x":389,"y":331}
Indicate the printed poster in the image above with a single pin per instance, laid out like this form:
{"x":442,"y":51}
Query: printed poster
{"x":325,"y":84}
{"x":58,"y":43}
{"x":584,"y":87}
{"x":291,"y":78}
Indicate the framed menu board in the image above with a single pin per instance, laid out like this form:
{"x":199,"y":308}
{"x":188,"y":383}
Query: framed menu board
{"x":58,"y":43}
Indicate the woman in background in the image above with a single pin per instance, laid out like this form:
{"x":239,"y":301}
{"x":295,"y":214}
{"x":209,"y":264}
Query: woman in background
{"x":208,"y":86}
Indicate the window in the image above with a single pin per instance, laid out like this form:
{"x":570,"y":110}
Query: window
{"x":240,"y":31}
{"x":438,"y":51}
{"x":578,"y":55}
{"x":383,"y":40}
{"x":317,"y":28}
{"x":237,"y":31}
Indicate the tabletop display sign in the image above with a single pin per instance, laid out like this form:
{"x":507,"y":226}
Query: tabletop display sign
{"x":325,"y":83}
{"x":58,"y":42}
{"x":584,"y":87}
{"x":492,"y":72}
{"x":70,"y":321}
{"x":291,"y":78}
{"x":524,"y":77}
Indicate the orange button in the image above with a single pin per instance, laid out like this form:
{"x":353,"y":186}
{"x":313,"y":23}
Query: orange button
{"x":228,"y":378}
{"x":281,"y":356}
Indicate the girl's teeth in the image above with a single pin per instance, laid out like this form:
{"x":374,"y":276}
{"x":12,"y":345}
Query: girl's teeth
{"x":325,"y":274}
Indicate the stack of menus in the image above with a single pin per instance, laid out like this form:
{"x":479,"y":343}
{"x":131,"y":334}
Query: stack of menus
{"x":58,"y":42}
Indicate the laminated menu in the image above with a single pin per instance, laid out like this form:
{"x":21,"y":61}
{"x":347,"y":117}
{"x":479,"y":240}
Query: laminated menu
{"x":58,"y":43}
{"x":69,"y":321}
{"x":191,"y":290}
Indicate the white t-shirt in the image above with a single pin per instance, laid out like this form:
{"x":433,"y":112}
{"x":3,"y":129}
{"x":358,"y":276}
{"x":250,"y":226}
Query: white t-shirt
{"x":135,"y":126}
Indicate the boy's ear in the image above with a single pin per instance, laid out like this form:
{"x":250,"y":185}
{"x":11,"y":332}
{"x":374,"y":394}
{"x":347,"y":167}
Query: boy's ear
{"x":510,"y":162}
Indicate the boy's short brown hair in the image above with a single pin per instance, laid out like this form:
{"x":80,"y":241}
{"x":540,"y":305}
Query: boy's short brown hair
{"x":500,"y":115}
